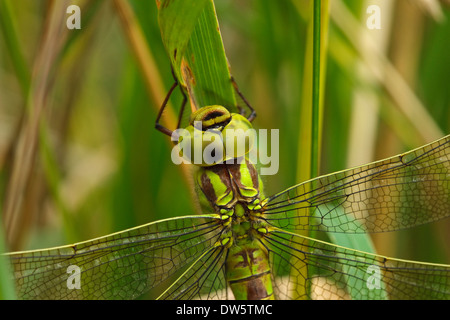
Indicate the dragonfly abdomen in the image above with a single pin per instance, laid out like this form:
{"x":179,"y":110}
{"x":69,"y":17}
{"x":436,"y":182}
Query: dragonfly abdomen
{"x":248,"y":272}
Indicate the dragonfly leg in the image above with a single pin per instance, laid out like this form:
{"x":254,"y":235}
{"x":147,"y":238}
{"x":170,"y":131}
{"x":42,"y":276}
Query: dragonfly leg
{"x":252,"y":115}
{"x":159,"y":126}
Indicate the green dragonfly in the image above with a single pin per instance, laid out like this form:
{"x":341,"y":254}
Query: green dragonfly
{"x":248,"y":245}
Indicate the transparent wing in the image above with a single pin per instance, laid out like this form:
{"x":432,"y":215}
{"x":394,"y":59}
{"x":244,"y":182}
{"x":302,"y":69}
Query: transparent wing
{"x":334,"y":272}
{"x":396,"y":193}
{"x":203,"y":280}
{"x":123,"y":265}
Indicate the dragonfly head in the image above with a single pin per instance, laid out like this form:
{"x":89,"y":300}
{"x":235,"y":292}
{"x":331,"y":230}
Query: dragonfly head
{"x":216,"y":136}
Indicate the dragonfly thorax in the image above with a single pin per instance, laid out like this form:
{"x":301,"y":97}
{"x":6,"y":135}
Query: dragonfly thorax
{"x":232,"y":189}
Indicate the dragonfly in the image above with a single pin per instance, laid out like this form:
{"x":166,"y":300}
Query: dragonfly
{"x":247,"y":245}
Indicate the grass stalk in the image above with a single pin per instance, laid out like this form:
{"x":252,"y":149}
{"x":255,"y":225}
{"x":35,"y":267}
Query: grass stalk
{"x":148,"y":68}
{"x":25,"y":153}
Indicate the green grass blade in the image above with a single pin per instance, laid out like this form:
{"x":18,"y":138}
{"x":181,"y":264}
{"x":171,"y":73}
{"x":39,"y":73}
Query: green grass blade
{"x":12,"y":46}
{"x":176,"y":28}
{"x":316,"y":92}
{"x":312,"y":103}
{"x":311,"y":130}
{"x":198,"y":57}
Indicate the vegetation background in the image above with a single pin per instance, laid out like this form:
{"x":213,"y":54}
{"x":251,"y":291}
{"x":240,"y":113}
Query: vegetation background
{"x":79,"y":155}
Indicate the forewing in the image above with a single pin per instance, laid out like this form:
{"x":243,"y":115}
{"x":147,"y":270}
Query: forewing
{"x":396,"y":193}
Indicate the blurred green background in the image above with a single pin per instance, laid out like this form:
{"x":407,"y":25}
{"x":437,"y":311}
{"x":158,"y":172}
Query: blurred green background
{"x":96,"y":165}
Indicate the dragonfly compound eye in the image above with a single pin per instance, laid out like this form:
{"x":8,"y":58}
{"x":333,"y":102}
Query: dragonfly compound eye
{"x":215,"y":135}
{"x":210,"y":117}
